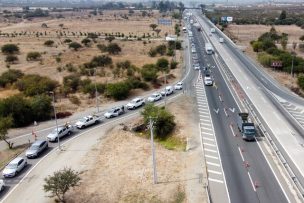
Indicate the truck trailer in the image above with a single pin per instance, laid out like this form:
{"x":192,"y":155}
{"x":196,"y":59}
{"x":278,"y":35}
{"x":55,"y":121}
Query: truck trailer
{"x":246,"y":127}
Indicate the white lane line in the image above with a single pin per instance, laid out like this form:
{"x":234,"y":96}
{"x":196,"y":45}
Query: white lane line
{"x":210,"y":139}
{"x":214,"y":172}
{"x":206,"y":124}
{"x":211,"y":150}
{"x":213,"y":164}
{"x":211,"y":157}
{"x":199,"y":104}
{"x":207,"y":133}
{"x":208,"y":144}
{"x":251,"y":181}
{"x":231,"y":128}
{"x":241,"y":154}
{"x":225,"y":112}
{"x":204,"y":117}
{"x":206,"y":128}
{"x":215,"y":180}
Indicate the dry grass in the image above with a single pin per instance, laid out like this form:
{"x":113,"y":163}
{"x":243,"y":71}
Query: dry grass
{"x":9,"y":154}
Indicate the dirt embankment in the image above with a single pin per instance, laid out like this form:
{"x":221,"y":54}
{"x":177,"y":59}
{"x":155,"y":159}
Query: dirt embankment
{"x":121,"y":167}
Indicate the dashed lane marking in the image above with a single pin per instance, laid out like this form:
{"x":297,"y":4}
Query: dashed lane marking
{"x":211,"y":157}
{"x":212,"y":164}
{"x":215,"y":180}
{"x":210,"y":145}
{"x":214,"y":172}
{"x":211,"y":150}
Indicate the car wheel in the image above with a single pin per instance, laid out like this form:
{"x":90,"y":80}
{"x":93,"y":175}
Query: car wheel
{"x":56,"y":139}
{"x":82,"y":127}
{"x":69,"y":133}
{"x":96,"y":121}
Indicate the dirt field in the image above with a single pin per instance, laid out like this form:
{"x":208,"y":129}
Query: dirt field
{"x":246,"y":33}
{"x":120,"y":167}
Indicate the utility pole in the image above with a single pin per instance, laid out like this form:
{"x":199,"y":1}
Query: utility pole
{"x":165,"y":76}
{"x":153,"y":151}
{"x":291,"y":73}
{"x":53,"y":93}
{"x":96,"y":93}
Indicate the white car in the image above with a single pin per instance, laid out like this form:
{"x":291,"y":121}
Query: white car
{"x":14,"y":167}
{"x":208,"y":80}
{"x":62,"y":131}
{"x":167,"y":91}
{"x":179,"y":86}
{"x":2,"y":185}
{"x":114,"y":112}
{"x":154,"y":97}
{"x":87,"y":121}
{"x":196,"y":66}
{"x":135,"y":103}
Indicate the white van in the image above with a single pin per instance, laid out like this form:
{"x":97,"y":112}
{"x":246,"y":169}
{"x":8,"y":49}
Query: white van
{"x":221,"y":40}
{"x":167,"y":91}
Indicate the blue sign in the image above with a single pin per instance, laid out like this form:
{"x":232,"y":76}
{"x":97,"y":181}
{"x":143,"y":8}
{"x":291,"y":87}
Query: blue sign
{"x":164,"y":21}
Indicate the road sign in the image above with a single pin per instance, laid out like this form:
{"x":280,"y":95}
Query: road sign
{"x":229,"y":19}
{"x":162,"y":21}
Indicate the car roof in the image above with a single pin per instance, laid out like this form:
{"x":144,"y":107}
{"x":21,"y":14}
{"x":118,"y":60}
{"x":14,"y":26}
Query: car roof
{"x":38,"y":142}
{"x":16,"y":160}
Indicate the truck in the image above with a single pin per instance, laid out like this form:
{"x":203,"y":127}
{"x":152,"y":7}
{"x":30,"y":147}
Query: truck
{"x":209,"y":48}
{"x":87,"y":121}
{"x":67,"y":129}
{"x":246,"y":127}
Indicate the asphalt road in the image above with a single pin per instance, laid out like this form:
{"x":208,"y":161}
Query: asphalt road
{"x":235,"y":152}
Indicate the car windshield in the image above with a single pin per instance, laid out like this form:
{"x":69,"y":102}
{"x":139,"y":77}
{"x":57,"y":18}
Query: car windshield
{"x":82,"y":120}
{"x":154,"y":95}
{"x":111,"y":111}
{"x":55,"y":131}
{"x":249,"y":131}
{"x":11,"y":166}
{"x":34,"y":146}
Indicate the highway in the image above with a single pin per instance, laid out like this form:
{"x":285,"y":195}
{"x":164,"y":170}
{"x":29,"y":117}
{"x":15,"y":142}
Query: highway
{"x":285,"y":133}
{"x":249,"y":177}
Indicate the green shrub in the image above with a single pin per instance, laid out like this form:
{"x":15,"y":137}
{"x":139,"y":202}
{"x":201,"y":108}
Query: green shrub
{"x":11,"y":58}
{"x":75,"y":46}
{"x":67,"y":41}
{"x":173,"y":64}
{"x":41,"y":106}
{"x":90,"y":89}
{"x":161,"y":49}
{"x":32,"y":85}
{"x":149,"y":72}
{"x":86,"y":41}
{"x":10,"y":49}
{"x":266,"y":59}
{"x":118,"y":91}
{"x":49,"y":43}
{"x":152,"y":52}
{"x":113,"y":48}
{"x":162,"y":64}
{"x":75,"y":100}
{"x":71,"y":83}
{"x":300,"y":81}
{"x":31,"y":56}
{"x":102,"y":47}
{"x":9,"y":77}
{"x":163,"y":123}
{"x":170,"y":52}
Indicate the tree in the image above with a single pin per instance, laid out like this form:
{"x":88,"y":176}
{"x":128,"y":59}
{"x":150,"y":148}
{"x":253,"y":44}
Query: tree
{"x":153,"y":26}
{"x":113,"y":48}
{"x":41,"y":105}
{"x":163,"y":121}
{"x":161,"y":49}
{"x":101,"y":61}
{"x":301,"y":81}
{"x":74,"y":45}
{"x":284,"y":44}
{"x":157,"y":32}
{"x":162,"y":64}
{"x":102,"y":47}
{"x":11,"y":59}
{"x":49,"y":43}
{"x":86,"y":41}
{"x":10,"y":76}
{"x":149,"y":72}
{"x":60,"y":182}
{"x":31,"y":56}
{"x":110,"y":38}
{"x":5,"y":124}
{"x":118,"y":91}
{"x":283,"y":15}
{"x":10,"y":49}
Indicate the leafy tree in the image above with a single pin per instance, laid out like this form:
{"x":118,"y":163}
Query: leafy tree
{"x":5,"y":124}
{"x":33,"y":84}
{"x":152,"y":52}
{"x":301,"y":81}
{"x":101,"y":61}
{"x":86,"y":41}
{"x":113,"y":48}
{"x":10,"y":49}
{"x":153,"y":26}
{"x":41,"y":105}
{"x":11,"y":59}
{"x":118,"y":91}
{"x":157,"y":32}
{"x":149,"y":72}
{"x":175,"y":45}
{"x":49,"y":43}
{"x":173,"y":64}
{"x":284,"y":44}
{"x":161,"y":49}
{"x":74,"y":45}
{"x":31,"y":56}
{"x":60,"y":182}
{"x":283,"y":15}
{"x":71,"y":83}
{"x":162,"y":64}
{"x":9,"y":77}
{"x":163,"y":121}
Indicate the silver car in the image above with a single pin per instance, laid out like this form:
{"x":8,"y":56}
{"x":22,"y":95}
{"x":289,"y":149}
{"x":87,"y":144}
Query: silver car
{"x":14,"y":167}
{"x":36,"y":148}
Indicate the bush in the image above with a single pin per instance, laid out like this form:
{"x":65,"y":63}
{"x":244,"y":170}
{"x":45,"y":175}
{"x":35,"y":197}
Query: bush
{"x":102,"y":47}
{"x":113,"y":48}
{"x":170,"y":52}
{"x":63,"y":114}
{"x":33,"y":56}
{"x":11,"y":58}
{"x":161,"y":49}
{"x":86,"y":41}
{"x":71,"y":83}
{"x":100,"y":61}
{"x":10,"y":49}
{"x":175,"y":45}
{"x":301,"y":81}
{"x":152,"y":52}
{"x":32,"y":85}
{"x":9,"y":77}
{"x":149,"y":72}
{"x":41,"y":106}
{"x":74,"y":45}
{"x":266,"y":59}
{"x":173,"y":64}
{"x":163,"y":123}
{"x":49,"y":43}
{"x":67,"y":41}
{"x":162,"y":64}
{"x":135,"y":83}
{"x":75,"y":100}
{"x":118,"y":91}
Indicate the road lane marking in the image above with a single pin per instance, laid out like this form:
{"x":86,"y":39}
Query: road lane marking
{"x":210,"y":139}
{"x":231,"y":128}
{"x":215,"y":180}
{"x":214,"y":172}
{"x":212,"y":164}
{"x":206,"y":124}
{"x":210,"y":150}
{"x":206,"y":128}
{"x":251,"y":181}
{"x":241,"y":153}
{"x":204,"y":117}
{"x":211,"y":157}
{"x":208,"y":144}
